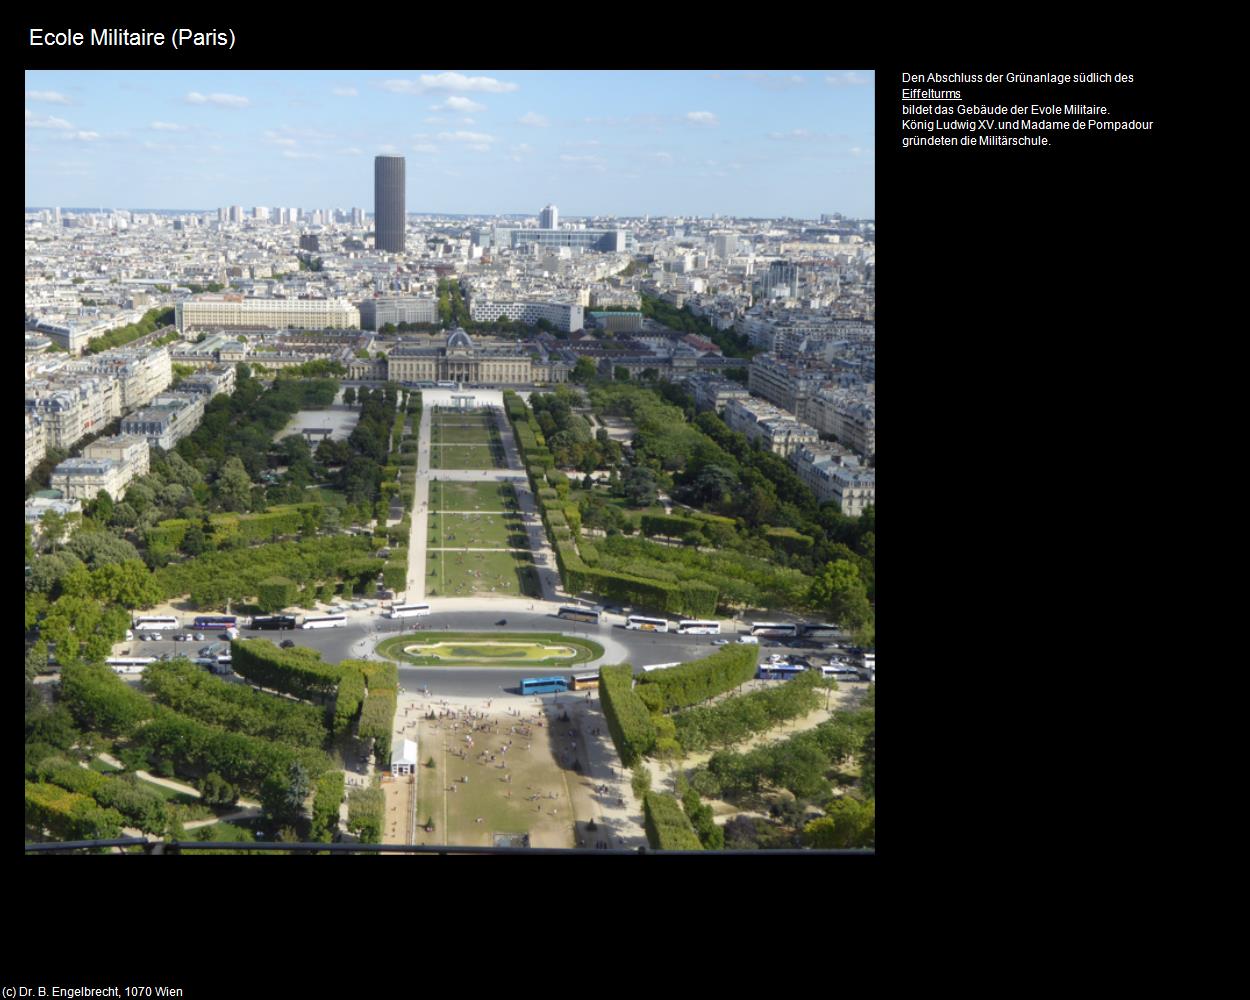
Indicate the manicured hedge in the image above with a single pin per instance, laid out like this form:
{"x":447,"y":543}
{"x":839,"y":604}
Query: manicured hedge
{"x":378,"y":674}
{"x":366,"y":809}
{"x":377,"y":719}
{"x":350,"y":697}
{"x":700,"y":680}
{"x":142,"y":807}
{"x":69,"y":815}
{"x":295,"y":671}
{"x":789,"y":540}
{"x":628,"y":720}
{"x":100,"y":701}
{"x":666,"y":526}
{"x":325,"y":811}
{"x":668,"y":828}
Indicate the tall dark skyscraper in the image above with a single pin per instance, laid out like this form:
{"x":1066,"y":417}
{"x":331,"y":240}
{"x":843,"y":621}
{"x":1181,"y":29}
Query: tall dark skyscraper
{"x":388,"y":203}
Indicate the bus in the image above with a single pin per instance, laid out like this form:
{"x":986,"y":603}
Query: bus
{"x":155,"y":623}
{"x":129,"y":664}
{"x":579,"y":614}
{"x":273,"y":622}
{"x":408,"y":610}
{"x":646,"y":624}
{"x":778,"y":672}
{"x":585,"y":682}
{"x":775,"y":630}
{"x":661,"y":666}
{"x":867,"y":659}
{"x":326,"y":621}
{"x":821,"y":630}
{"x":215,"y":622}
{"x":687,"y":627}
{"x":445,"y":385}
{"x":544,"y":685}
{"x":840,"y":672}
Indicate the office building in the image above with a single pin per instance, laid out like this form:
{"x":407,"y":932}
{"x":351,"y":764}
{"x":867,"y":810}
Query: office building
{"x":549,"y":218}
{"x":279,"y":314}
{"x":376,"y":313}
{"x":563,"y":315}
{"x":389,"y":213}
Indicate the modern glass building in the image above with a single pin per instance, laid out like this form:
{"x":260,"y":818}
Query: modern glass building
{"x":388,"y":203}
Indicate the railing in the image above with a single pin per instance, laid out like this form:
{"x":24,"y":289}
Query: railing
{"x":191,"y":846}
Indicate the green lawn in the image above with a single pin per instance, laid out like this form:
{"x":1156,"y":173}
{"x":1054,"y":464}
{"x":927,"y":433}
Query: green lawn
{"x":463,"y":574}
{"x":170,"y":795}
{"x":476,"y":531}
{"x":458,"y":434}
{"x":321,"y":494}
{"x":484,"y":497}
{"x":104,"y":767}
{"x":483,"y":649}
{"x":467,"y":456}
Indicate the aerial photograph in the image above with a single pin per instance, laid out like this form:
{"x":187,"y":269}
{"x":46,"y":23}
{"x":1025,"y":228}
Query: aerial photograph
{"x":446,"y":462}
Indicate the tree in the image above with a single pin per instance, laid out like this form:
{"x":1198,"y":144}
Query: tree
{"x":638,"y":486}
{"x":102,"y":508}
{"x":276,"y":593}
{"x":193,"y":540}
{"x":101,"y":548}
{"x":847,"y":823}
{"x":234,"y":486}
{"x":30,"y":549}
{"x":840,"y":592}
{"x":216,"y":791}
{"x":53,"y":524}
{"x":349,"y":396}
{"x":584,"y":371}
{"x":620,"y":373}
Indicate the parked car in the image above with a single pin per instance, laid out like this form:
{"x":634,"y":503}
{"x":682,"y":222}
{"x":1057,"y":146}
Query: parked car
{"x":199,"y":637}
{"x":720,"y":642}
{"x":144,"y":637}
{"x":286,"y":644}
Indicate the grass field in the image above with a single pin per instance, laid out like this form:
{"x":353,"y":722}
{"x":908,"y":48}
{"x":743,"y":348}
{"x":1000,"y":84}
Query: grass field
{"x":463,"y":574}
{"x":503,"y":806}
{"x":460,"y":434}
{"x":467,"y":456}
{"x":484,"y":649}
{"x":476,"y":531}
{"x":484,"y":497}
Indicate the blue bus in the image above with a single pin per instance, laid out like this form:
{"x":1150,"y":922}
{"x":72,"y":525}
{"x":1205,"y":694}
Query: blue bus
{"x":778,"y":672}
{"x":544,"y":685}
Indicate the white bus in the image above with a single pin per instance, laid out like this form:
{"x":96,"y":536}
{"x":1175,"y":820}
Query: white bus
{"x":840,"y":672}
{"x":779,"y":630}
{"x":661,"y":666}
{"x":646,"y":624}
{"x":156,"y":623}
{"x":326,"y":621}
{"x":445,"y":385}
{"x":129,"y":664}
{"x":408,"y":610}
{"x":685,"y":627}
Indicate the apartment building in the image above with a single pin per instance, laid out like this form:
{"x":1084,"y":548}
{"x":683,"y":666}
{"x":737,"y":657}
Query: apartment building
{"x":170,"y":418}
{"x":210,"y":381}
{"x":83,"y":478}
{"x":775,"y":429}
{"x":36,"y":444}
{"x":787,"y":384}
{"x":836,"y":476}
{"x":849,"y":415}
{"x":234,"y":310}
{"x":376,"y":313}
{"x":130,"y":451}
{"x":564,"y":316}
{"x":73,"y":407}
{"x":140,"y":373}
{"x":714,"y":393}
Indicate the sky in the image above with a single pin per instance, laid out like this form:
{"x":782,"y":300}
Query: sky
{"x":765,"y":144}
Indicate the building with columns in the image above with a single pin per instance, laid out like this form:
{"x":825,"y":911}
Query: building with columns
{"x":459,"y":359}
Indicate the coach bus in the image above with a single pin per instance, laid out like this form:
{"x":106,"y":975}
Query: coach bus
{"x":327,"y":621}
{"x":774,"y":630}
{"x":822,"y":630}
{"x":646,"y":624}
{"x":155,"y":623}
{"x":445,"y":385}
{"x":129,"y":664}
{"x":279,"y":622}
{"x":544,"y":685}
{"x":408,"y":610}
{"x":778,"y":672}
{"x":579,"y":614}
{"x":685,"y":627}
{"x":661,"y":666}
{"x":215,"y":622}
{"x":840,"y":671}
{"x":585,"y":682}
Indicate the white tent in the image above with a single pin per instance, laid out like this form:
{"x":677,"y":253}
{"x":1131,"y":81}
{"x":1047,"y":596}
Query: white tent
{"x":404,"y":757}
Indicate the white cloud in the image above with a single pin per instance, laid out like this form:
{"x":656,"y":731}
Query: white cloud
{"x":531,"y":118}
{"x":478,"y":138}
{"x":458,"y":81}
{"x":167,"y":127}
{"x":662,"y":157}
{"x":34,"y":121}
{"x":294,"y":154}
{"x":435,"y":120}
{"x":479,"y":147}
{"x":352,"y":151}
{"x":462,"y":104}
{"x":583,"y":142}
{"x":424,"y":147}
{"x":448,"y":81}
{"x":221,"y":100}
{"x":388,"y":148}
{"x":47,"y":97}
{"x":83,"y":136}
{"x":468,"y":121}
{"x":770,"y":81}
{"x":702,"y":118}
{"x":346,"y":92}
{"x":596,"y":163}
{"x":848,"y":79}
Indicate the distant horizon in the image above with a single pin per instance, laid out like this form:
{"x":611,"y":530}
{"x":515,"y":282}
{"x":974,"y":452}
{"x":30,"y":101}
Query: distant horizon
{"x":467,"y":215}
{"x":763,"y":145}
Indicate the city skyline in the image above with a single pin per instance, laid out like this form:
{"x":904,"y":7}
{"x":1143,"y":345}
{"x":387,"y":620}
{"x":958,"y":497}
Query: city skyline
{"x":750,"y":144}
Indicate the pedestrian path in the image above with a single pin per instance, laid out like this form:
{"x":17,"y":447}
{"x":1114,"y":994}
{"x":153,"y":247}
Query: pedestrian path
{"x":420,"y":514}
{"x":544,"y":557}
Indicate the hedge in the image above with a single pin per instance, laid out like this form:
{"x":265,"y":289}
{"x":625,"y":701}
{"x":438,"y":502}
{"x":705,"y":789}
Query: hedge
{"x":366,"y":809}
{"x":377,"y":719}
{"x":281,"y":519}
{"x":378,"y":674}
{"x":294,"y":671}
{"x":668,"y":828}
{"x":327,"y":798}
{"x":691,"y":683}
{"x":667,"y":526}
{"x":350,"y":696}
{"x":789,"y":540}
{"x":100,"y":701}
{"x":628,"y":720}
{"x":141,"y":805}
{"x":547,"y":493}
{"x":246,"y":761}
{"x":69,"y":815}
